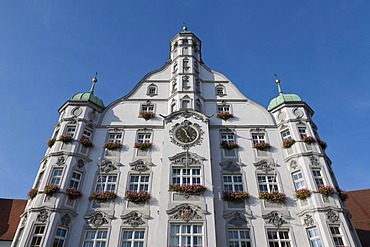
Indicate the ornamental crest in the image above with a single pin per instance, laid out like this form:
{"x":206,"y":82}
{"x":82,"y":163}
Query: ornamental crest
{"x":266,"y":166}
{"x":107,"y":165}
{"x":238,"y":220}
{"x":231,"y":166}
{"x":42,"y":216}
{"x":97,"y":219}
{"x":61,"y":160}
{"x":308,"y":220}
{"x":65,"y":220}
{"x":186,"y":158}
{"x":134,"y":219}
{"x":314,"y":161}
{"x":185,"y":114}
{"x":332,"y":216}
{"x":186,"y":212}
{"x":141,"y":165}
{"x":275,"y":219}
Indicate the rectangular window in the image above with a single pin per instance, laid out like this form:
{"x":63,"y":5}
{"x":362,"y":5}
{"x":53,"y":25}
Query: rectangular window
{"x":39,"y":180}
{"x":302,"y":132}
{"x":70,"y":130}
{"x":87,"y":133}
{"x":258,"y":138}
{"x":143,"y":137}
{"x":185,"y":104}
{"x":115,"y":137}
{"x":336,"y":235}
{"x":37,"y":235}
{"x":233,"y":183}
{"x":285,"y":135}
{"x":56,"y":176}
{"x":239,"y":238}
{"x":147,"y":108}
{"x":75,"y":179}
{"x":106,"y":183}
{"x":189,"y":235}
{"x":60,"y":237}
{"x":318,"y":177}
{"x":139,"y":183}
{"x":267,"y":183}
{"x":132,"y":238}
{"x":173,"y":107}
{"x":298,"y":180}
{"x":186,"y":176}
{"x":227,"y":138}
{"x":95,"y":238}
{"x":220,"y":90}
{"x":278,"y":238}
{"x":313,"y":236}
{"x":223,"y":108}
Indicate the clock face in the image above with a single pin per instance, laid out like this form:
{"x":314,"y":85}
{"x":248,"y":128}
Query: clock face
{"x":186,"y":134}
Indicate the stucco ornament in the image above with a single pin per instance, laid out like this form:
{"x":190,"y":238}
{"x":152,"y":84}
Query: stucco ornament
{"x":266,"y":166}
{"x":314,"y":161}
{"x":65,"y":220}
{"x":107,"y":165}
{"x":96,"y":219}
{"x":238,"y":220}
{"x":61,"y":160}
{"x":185,"y":114}
{"x":276,"y":219}
{"x":231,"y":166}
{"x":308,"y":220}
{"x":293,"y":164}
{"x":186,"y":212}
{"x":42,"y":216}
{"x":133,"y":219}
{"x":186,"y":158}
{"x":141,"y":166}
{"x":332,"y":216}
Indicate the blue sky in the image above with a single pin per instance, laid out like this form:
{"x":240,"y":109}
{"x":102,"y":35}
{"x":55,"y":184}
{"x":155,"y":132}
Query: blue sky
{"x":50,"y":50}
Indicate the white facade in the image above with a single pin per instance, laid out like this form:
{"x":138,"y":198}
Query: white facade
{"x":185,"y":134}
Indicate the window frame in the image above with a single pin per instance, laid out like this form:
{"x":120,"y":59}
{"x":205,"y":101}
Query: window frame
{"x":138,"y":183}
{"x":313,"y":239}
{"x":188,"y":177}
{"x":316,"y":178}
{"x":270,"y":185}
{"x":74,"y":180}
{"x":180,"y":234}
{"x":113,"y":136}
{"x":54,"y":176}
{"x":133,"y":239}
{"x":239,"y":240}
{"x":278,"y":230}
{"x":152,"y":90}
{"x":336,"y":236}
{"x":224,"y":108}
{"x":302,"y":131}
{"x":299,"y":182}
{"x":38,"y":236}
{"x":107,"y":186}
{"x":60,"y":238}
{"x":258,"y":138}
{"x":70,"y":130}
{"x":234,"y":185}
{"x":95,"y":240}
{"x":220,"y":90}
{"x":286,"y":135}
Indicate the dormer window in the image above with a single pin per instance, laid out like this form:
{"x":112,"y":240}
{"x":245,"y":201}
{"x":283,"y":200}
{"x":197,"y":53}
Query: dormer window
{"x":220,"y":90}
{"x":152,"y":90}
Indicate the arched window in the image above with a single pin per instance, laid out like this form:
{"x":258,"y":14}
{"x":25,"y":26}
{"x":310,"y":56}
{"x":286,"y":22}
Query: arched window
{"x":220,"y":90}
{"x":152,"y":90}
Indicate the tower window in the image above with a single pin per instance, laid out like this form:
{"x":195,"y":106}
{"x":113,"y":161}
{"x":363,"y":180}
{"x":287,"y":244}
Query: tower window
{"x":56,"y":176}
{"x":75,"y":179}
{"x":220,"y":90}
{"x":37,"y":235}
{"x":298,"y":180}
{"x":60,"y":237}
{"x":285,"y":135}
{"x":152,"y":90}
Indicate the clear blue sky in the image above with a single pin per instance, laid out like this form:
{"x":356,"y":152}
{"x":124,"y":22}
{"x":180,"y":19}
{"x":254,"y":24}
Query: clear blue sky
{"x":50,"y":50}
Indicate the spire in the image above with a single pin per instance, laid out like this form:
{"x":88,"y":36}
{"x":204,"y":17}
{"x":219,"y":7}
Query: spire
{"x":277,"y":81}
{"x":94,"y":80}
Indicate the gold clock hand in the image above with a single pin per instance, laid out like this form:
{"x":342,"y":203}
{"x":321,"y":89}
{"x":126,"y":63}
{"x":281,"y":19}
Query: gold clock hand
{"x":186,"y":133}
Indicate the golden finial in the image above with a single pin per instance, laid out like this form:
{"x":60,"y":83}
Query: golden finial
{"x":94,"y":80}
{"x":184,"y":28}
{"x":277,"y":81}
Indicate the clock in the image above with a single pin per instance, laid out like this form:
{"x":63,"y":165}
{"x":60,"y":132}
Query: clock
{"x":186,"y":134}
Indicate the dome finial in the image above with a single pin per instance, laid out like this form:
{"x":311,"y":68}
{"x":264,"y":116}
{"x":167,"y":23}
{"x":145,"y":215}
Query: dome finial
{"x":184,"y":28}
{"x":94,"y":80}
{"x":277,"y":81}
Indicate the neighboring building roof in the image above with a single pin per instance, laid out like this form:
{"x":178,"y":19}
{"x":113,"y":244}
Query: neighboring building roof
{"x":10,"y":210}
{"x":358,"y":205}
{"x":88,"y":97}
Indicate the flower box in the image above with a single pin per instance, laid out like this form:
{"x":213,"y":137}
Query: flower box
{"x":309,"y":139}
{"x":224,"y":115}
{"x":112,"y":145}
{"x":191,"y":189}
{"x":86,"y":142}
{"x":343,"y":195}
{"x":65,"y":138}
{"x":103,"y":196}
{"x":262,"y":146}
{"x":229,"y":145}
{"x":326,"y":190}
{"x":302,"y":194}
{"x":73,"y":193}
{"x":237,"y":196}
{"x":32,"y":193}
{"x":288,"y":143}
{"x":51,"y":189}
{"x":143,"y":145}
{"x":137,"y":196}
{"x":51,"y":142}
{"x":273,"y":197}
{"x":322,"y":144}
{"x":147,"y":115}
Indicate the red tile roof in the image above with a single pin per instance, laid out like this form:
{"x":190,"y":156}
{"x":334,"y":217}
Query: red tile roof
{"x":10,"y":210}
{"x":358,"y":205}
